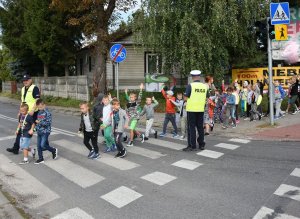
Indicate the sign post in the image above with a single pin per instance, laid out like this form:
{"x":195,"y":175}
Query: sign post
{"x":270,"y":66}
{"x":280,"y":14}
{"x":118,"y":54}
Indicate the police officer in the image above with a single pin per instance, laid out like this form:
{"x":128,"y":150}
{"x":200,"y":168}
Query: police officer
{"x":196,"y":92}
{"x":29,"y":94}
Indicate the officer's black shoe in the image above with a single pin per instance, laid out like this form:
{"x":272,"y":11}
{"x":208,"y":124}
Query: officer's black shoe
{"x":187,"y":149}
{"x":202,"y":146}
{"x":12,"y":150}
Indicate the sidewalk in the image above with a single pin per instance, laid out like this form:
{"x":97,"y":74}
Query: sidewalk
{"x":285,"y":129}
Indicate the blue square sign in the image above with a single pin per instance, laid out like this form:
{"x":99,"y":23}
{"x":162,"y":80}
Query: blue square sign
{"x":280,"y":13}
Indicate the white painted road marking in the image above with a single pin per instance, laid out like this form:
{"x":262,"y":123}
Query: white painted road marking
{"x":265,"y":213}
{"x":227,"y":146}
{"x":296,"y":172}
{"x":166,"y":144}
{"x":35,"y":193}
{"x":288,"y":191}
{"x":8,"y":137}
{"x":74,"y":213}
{"x":118,"y":163}
{"x":187,"y":164}
{"x":159,"y":178}
{"x":239,"y":140}
{"x":121,"y":196}
{"x":73,"y":172}
{"x":145,"y":152}
{"x":210,"y":154}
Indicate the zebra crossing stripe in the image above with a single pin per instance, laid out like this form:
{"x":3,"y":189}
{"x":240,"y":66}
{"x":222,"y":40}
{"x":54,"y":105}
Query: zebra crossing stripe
{"x":75,"y":173}
{"x":24,"y":184}
{"x":8,"y":137}
{"x":166,"y":144}
{"x":159,"y":178}
{"x":288,"y":191}
{"x":296,"y":172}
{"x":145,"y":152}
{"x":74,"y":213}
{"x":187,"y":164}
{"x":239,"y":140}
{"x":265,"y":212}
{"x":227,"y":146}
{"x":210,"y":154}
{"x":121,"y":196}
{"x":106,"y":159}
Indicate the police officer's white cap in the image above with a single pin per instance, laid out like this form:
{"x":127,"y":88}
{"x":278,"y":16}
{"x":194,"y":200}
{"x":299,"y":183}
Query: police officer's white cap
{"x":195,"y":72}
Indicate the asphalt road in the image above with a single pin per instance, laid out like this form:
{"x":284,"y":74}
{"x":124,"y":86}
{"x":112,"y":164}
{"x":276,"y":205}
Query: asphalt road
{"x":244,"y":179}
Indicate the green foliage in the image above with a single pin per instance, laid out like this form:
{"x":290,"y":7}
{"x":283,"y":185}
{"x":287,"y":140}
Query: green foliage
{"x":209,"y":35}
{"x":5,"y":61}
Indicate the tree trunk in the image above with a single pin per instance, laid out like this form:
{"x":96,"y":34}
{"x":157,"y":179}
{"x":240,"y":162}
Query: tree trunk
{"x":66,"y":70}
{"x":99,"y":77}
{"x":46,"y":70}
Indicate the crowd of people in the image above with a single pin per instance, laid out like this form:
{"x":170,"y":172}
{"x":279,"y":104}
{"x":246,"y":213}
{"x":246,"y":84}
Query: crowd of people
{"x":199,"y":107}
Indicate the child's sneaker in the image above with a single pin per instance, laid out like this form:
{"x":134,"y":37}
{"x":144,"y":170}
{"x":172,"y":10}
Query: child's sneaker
{"x":162,"y":134}
{"x":143,"y":138}
{"x":90,"y":154}
{"x":125,"y":138}
{"x":114,"y":147}
{"x":95,"y":156}
{"x":118,"y":154}
{"x":237,"y":121}
{"x":146,"y":138}
{"x":224,"y":127}
{"x":24,"y":162}
{"x":32,"y":153}
{"x":155,"y":134}
{"x":206,"y":133}
{"x":175,"y":135}
{"x":107,"y":150}
{"x":233,"y":126}
{"x":54,"y":154}
{"x":130,"y":144}
{"x":182,"y":137}
{"x":123,"y":153}
{"x":39,"y":161}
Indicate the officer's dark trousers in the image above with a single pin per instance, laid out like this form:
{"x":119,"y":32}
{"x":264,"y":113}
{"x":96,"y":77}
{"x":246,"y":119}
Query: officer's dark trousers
{"x":195,"y":120}
{"x":16,"y":146}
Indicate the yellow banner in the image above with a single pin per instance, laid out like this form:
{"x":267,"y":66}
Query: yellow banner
{"x":253,"y":75}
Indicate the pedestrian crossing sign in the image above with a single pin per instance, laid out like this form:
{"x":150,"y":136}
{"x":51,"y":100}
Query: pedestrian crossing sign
{"x":281,"y":32}
{"x":280,"y":13}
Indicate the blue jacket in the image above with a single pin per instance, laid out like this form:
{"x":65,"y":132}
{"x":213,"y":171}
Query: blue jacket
{"x":230,"y":99}
{"x":45,"y":119}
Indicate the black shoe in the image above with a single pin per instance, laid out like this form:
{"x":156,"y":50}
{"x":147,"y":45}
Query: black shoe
{"x":54,"y":154}
{"x":202,"y":147}
{"x":155,"y":134}
{"x":123,"y":153}
{"x":12,"y":150}
{"x":39,"y":161}
{"x":118,"y":154}
{"x":146,"y":139}
{"x":125,"y":138}
{"x":206,"y":133}
{"x":259,"y":117}
{"x":187,"y":149}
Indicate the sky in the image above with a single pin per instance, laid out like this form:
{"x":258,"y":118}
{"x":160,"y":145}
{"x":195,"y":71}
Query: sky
{"x":125,"y":16}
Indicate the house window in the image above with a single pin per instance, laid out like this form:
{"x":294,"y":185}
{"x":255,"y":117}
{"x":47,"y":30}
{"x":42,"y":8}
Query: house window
{"x":153,"y":63}
{"x":81,"y":67}
{"x":90,"y":64}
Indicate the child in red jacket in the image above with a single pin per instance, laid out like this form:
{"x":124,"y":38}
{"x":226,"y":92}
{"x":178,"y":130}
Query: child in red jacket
{"x":170,"y":113}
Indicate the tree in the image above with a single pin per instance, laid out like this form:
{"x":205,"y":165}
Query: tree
{"x":95,"y":17}
{"x":15,"y":40}
{"x":5,"y":60}
{"x":209,"y":35}
{"x":49,"y":37}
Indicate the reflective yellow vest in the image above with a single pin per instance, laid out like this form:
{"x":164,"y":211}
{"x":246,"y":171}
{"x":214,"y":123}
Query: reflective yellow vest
{"x":196,"y":102}
{"x":29,"y":100}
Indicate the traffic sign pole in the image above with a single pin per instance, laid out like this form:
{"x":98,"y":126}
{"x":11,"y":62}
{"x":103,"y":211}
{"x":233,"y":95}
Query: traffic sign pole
{"x":117,"y":79}
{"x":270,"y":66}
